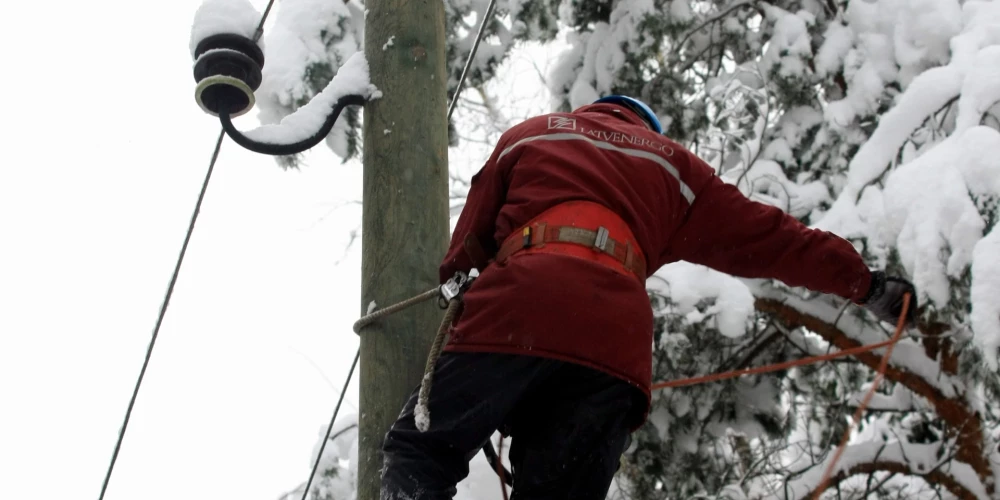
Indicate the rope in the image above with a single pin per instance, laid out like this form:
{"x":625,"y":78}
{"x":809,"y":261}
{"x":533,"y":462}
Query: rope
{"x":330,"y":427}
{"x":399,"y":306}
{"x":867,"y":399}
{"x":422,"y":410}
{"x":771,"y":368}
{"x":162,"y":314}
{"x":472,"y":55}
{"x":432,"y":357}
{"x":170,"y":287}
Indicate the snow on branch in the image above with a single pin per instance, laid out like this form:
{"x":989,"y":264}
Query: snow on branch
{"x":985,"y":317}
{"x":688,"y":284}
{"x":307,"y":44}
{"x":823,"y":316}
{"x":351,"y":79}
{"x":909,"y":366}
{"x":901,"y":400}
{"x":928,"y":461}
{"x":927,"y":93}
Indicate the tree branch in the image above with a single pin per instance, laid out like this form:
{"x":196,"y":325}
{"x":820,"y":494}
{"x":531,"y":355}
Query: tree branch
{"x":935,"y":476}
{"x":965,"y":424}
{"x":715,"y":18}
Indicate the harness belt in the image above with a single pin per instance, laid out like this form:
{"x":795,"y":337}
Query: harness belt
{"x":580,"y":229}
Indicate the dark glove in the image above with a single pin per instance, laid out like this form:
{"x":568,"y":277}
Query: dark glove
{"x":885,"y":298}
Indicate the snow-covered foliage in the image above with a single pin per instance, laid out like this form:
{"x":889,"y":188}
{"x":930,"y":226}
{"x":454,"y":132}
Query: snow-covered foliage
{"x":873,"y":119}
{"x":308,"y":45}
{"x":351,"y":79}
{"x":336,"y":475}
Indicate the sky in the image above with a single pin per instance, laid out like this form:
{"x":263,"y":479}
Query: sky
{"x":106,"y":152}
{"x":104,"y":157}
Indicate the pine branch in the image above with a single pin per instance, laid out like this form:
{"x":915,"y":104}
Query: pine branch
{"x":935,"y":476}
{"x":965,"y":424}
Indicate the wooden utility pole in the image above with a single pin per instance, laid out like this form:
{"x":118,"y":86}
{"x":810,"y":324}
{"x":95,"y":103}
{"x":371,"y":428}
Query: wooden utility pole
{"x":405,"y":214}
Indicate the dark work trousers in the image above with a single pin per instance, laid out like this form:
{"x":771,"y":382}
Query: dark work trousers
{"x":568,"y":425}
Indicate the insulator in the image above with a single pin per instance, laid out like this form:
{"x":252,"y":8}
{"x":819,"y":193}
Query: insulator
{"x":228,"y":70}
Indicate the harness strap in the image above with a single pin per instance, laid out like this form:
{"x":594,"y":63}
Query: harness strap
{"x":474,"y":249}
{"x":536,"y":236}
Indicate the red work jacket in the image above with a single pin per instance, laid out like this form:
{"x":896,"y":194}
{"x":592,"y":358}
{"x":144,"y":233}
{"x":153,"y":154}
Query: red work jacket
{"x":678,"y":209}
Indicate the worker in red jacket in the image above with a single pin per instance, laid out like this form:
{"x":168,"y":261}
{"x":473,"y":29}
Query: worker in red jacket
{"x":567,"y":219}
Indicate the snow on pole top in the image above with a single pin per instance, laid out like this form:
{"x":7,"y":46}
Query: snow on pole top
{"x":216,"y":17}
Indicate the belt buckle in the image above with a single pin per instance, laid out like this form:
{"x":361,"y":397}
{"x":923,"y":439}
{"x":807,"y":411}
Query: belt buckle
{"x":602,"y":238}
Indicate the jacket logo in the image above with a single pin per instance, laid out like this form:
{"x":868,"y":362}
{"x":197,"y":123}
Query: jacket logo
{"x":560,"y":122}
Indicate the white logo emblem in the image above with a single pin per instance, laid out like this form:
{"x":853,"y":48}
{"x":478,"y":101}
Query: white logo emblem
{"x":562,"y":122}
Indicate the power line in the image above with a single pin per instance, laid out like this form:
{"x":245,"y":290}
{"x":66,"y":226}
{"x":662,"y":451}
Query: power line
{"x":472,"y":55}
{"x":173,"y":282}
{"x":163,"y":310}
{"x":187,"y":239}
{"x":329,"y":428}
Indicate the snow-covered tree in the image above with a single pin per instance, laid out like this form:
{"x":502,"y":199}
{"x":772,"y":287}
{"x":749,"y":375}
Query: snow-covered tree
{"x":870,"y":120}
{"x":876,"y":120}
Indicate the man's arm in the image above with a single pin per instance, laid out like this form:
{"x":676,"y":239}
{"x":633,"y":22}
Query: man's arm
{"x":487,"y":193}
{"x":730,"y":233}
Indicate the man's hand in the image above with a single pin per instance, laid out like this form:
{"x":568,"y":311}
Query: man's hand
{"x":886,"y":295}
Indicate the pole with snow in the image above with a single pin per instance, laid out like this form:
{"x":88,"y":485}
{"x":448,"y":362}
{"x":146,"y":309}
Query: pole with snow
{"x":401,"y":80}
{"x":405,"y":211}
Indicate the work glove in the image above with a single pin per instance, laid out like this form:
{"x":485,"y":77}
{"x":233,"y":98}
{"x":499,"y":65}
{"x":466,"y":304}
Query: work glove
{"x":885,"y":298}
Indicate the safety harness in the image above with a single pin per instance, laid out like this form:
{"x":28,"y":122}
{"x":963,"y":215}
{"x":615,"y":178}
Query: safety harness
{"x":580,"y":229}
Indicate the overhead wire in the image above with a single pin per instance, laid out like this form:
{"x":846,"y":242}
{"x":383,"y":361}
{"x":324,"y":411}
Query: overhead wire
{"x":187,"y":239}
{"x":472,"y":55}
{"x":319,"y":456}
{"x":162,"y":314}
{"x":170,"y":287}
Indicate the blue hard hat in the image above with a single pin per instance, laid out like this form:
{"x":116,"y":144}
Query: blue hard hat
{"x":636,"y":105}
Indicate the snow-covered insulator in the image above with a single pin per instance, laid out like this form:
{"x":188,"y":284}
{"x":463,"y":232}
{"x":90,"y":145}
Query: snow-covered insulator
{"x":227,"y":68}
{"x":228,"y":71}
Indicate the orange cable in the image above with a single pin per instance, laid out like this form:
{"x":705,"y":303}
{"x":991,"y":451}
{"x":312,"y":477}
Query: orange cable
{"x":864,"y":402}
{"x":770,"y":368}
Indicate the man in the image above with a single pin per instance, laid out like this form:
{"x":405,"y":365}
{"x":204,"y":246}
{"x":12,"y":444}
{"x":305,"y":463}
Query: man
{"x":554,"y":344}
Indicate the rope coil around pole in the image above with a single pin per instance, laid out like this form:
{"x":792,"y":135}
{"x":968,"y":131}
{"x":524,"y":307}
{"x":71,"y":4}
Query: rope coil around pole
{"x":454,"y":306}
{"x":399,"y":306}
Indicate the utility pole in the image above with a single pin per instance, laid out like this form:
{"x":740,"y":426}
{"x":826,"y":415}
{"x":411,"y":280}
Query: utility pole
{"x":405,"y":211}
